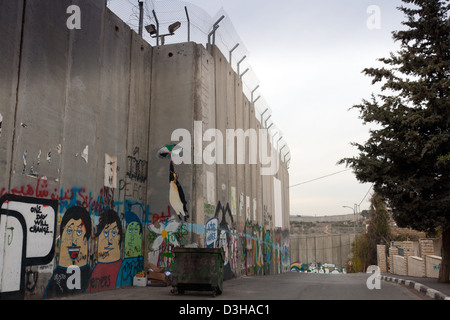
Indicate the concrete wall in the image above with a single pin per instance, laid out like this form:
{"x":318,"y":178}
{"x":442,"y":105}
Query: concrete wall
{"x":432,"y":266}
{"x":381,"y":258}
{"x":400,"y":266}
{"x":416,"y":267}
{"x":83,"y":115}
{"x":334,"y":249}
{"x":75,"y":123}
{"x":337,"y":218}
{"x":403,"y":260}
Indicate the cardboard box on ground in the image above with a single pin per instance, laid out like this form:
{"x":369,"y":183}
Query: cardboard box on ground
{"x":157,"y":277}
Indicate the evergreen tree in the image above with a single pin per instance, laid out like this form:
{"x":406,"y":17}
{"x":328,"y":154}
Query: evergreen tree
{"x":378,"y":230}
{"x":407,"y":156}
{"x":364,"y":247}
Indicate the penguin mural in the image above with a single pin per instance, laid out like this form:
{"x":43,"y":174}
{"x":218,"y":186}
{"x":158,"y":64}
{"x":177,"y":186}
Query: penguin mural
{"x":176,"y":195}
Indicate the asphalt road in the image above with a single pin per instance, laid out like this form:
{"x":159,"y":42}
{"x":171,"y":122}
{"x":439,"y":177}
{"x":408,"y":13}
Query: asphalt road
{"x":287,"y":286}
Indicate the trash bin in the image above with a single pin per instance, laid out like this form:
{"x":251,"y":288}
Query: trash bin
{"x":198,"y":269}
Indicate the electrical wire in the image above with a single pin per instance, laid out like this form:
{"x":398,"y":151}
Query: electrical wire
{"x":329,"y":175}
{"x":366,"y":194}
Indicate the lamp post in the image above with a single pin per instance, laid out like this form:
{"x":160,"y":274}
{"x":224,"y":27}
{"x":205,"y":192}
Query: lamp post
{"x":354,"y":215}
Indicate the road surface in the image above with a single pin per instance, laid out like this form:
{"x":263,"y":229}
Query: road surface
{"x":287,"y":286}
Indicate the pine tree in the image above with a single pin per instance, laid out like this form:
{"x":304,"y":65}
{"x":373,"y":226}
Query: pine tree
{"x":407,"y":156}
{"x":378,"y":230}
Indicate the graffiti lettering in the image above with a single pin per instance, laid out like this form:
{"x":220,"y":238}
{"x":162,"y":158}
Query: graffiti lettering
{"x":40,"y":224}
{"x":137,"y":169}
{"x":32,"y":242}
{"x":100,"y":282}
{"x":11,"y":235}
{"x":211,"y":232}
{"x":129,"y":268}
{"x":31,"y":279}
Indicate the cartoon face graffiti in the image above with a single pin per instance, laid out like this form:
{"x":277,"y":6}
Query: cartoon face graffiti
{"x":223,"y":243}
{"x":75,"y":231}
{"x":133,"y":236}
{"x":109,"y":234}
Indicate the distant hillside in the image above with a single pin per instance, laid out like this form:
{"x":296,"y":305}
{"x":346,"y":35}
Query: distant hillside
{"x":317,"y":228}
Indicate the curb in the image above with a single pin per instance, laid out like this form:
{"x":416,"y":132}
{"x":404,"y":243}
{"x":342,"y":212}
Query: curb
{"x":432,"y":293}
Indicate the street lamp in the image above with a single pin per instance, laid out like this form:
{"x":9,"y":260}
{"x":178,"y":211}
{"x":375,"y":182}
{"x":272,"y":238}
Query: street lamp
{"x":354,"y":215}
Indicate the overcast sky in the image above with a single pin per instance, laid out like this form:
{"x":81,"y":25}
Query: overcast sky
{"x":308,"y":56}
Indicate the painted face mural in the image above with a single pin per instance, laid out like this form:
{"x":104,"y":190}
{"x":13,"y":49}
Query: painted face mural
{"x":109,"y":243}
{"x":133,"y":236}
{"x":109,"y":235}
{"x":75,"y":232}
{"x":74,"y":244}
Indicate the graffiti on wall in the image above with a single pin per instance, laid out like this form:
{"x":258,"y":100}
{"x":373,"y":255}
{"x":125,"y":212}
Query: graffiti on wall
{"x":176,"y":194}
{"x":163,"y":240}
{"x":27,"y":230}
{"x":75,"y":233}
{"x":253,"y":252}
{"x":109,"y":240}
{"x":133,"y":261}
{"x":226,"y":238}
{"x":107,"y":247}
{"x":267,"y":254}
{"x":110,"y":178}
{"x":137,"y":168}
{"x":211,"y":232}
{"x":69,"y":197}
{"x":262,"y":250}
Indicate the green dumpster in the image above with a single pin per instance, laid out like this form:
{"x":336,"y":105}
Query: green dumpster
{"x":198,"y":269}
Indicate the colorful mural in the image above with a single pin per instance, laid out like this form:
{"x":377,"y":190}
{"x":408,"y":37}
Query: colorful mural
{"x":109,"y":240}
{"x":163,"y":240}
{"x":133,"y":261}
{"x":27,"y":230}
{"x":75,"y":233}
{"x":93,"y":247}
{"x":176,"y":194}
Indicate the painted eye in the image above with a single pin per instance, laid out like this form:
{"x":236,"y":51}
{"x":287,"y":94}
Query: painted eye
{"x":114,"y":233}
{"x":106,"y":233}
{"x":69,"y":231}
{"x":79,"y":232}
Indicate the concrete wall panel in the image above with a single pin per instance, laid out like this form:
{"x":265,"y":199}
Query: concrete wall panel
{"x":134,"y":184}
{"x":78,"y":163}
{"x":41,"y":96}
{"x":172,"y":100}
{"x":11,"y":15}
{"x":205,"y":197}
{"x":224,"y":99}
